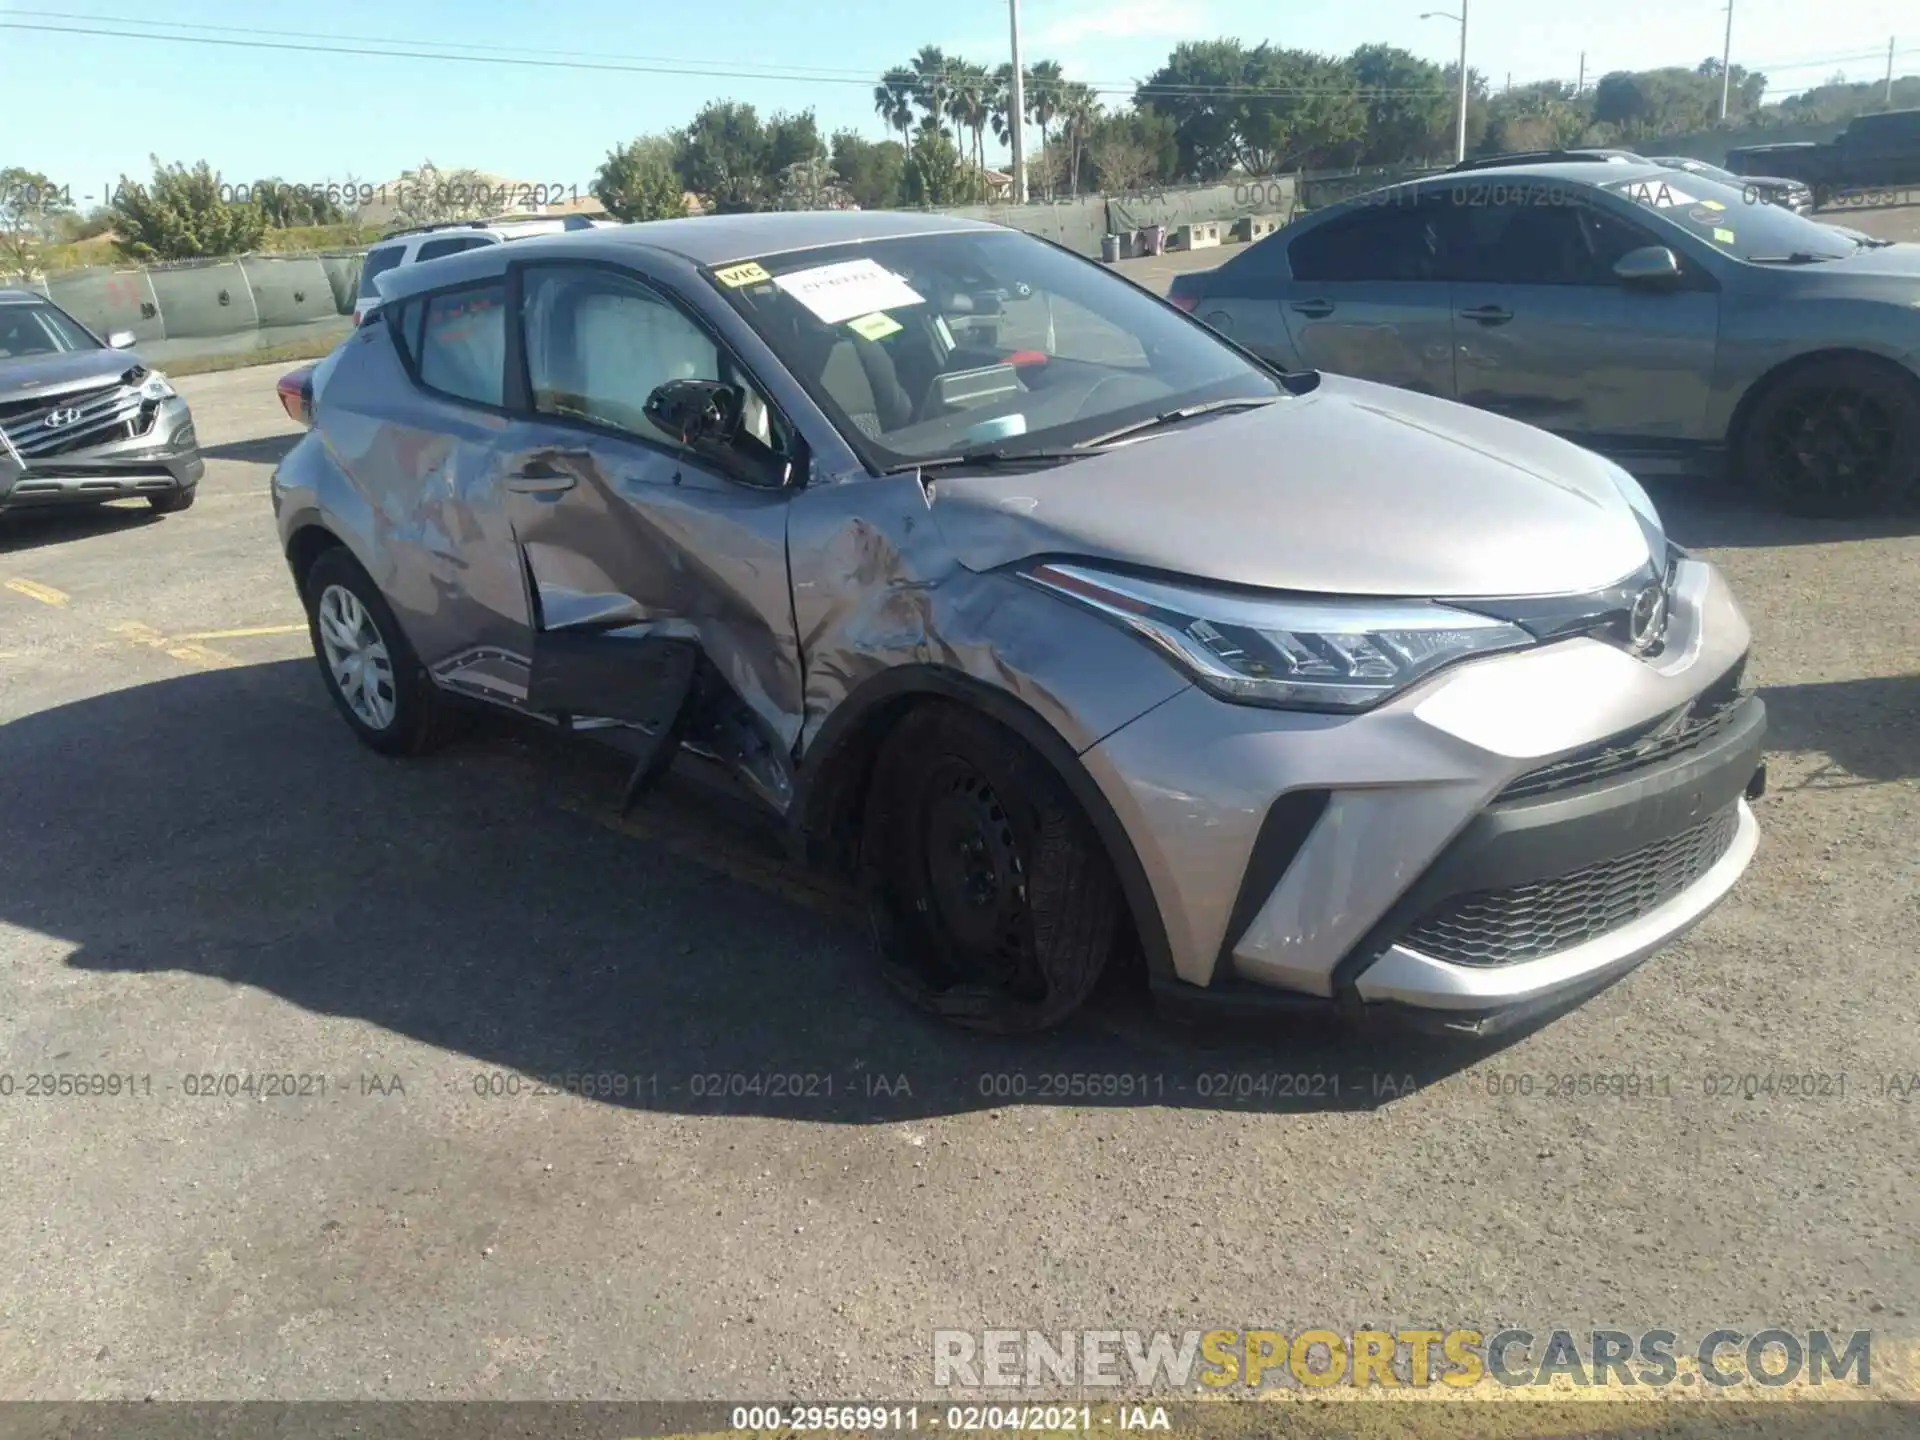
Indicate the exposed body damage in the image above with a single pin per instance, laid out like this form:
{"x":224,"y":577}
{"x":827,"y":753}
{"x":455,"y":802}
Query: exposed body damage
{"x":1329,"y":694}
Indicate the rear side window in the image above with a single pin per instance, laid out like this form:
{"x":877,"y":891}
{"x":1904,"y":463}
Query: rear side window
{"x":452,"y":245}
{"x":463,"y":343}
{"x":1398,"y":241}
{"x":379,"y":260}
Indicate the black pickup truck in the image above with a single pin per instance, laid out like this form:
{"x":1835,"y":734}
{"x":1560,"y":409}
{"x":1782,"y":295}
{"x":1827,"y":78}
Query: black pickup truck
{"x":1874,"y":152}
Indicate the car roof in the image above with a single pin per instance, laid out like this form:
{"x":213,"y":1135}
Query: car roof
{"x":1582,"y":170}
{"x":705,"y":240}
{"x":21,"y":297}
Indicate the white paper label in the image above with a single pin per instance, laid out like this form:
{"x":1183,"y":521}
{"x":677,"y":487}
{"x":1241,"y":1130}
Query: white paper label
{"x":853,"y":287}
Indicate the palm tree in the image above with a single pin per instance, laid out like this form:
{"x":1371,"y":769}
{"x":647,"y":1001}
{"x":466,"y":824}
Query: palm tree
{"x":999,"y":104}
{"x":932,"y":82}
{"x":893,"y":99}
{"x":1043,"y":101}
{"x":1078,"y":109}
{"x":971,"y":105}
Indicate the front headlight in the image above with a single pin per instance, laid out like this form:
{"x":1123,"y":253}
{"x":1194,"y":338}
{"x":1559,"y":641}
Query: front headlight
{"x":1293,"y":654}
{"x":156,"y":387}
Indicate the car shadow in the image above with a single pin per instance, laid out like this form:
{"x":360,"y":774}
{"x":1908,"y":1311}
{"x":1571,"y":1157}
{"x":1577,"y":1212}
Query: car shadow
{"x":32,"y":528}
{"x":1869,"y":729}
{"x":263,"y":450}
{"x":1709,"y":514}
{"x":487,"y":902}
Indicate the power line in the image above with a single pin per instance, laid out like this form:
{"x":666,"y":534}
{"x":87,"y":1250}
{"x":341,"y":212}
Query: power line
{"x":789,"y":75}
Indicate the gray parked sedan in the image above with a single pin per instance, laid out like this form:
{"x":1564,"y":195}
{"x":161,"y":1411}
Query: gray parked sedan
{"x":1037,"y":605}
{"x":82,"y":420}
{"x":1664,"y":319}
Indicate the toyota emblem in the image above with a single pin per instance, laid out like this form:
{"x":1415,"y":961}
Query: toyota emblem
{"x":57,"y":418}
{"x":1648,"y":621}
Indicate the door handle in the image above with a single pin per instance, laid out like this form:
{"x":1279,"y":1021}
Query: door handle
{"x":1313,"y":309}
{"x":539,"y":477}
{"x":1488,"y":314}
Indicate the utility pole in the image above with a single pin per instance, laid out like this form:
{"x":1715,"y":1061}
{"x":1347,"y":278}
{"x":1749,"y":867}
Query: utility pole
{"x":1017,"y":109}
{"x":1460,"y":139}
{"x":1889,"y":99}
{"x":1726,"y":63}
{"x":1580,"y":85}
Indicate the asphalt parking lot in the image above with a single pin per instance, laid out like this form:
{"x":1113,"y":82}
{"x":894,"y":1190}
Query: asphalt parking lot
{"x":783,"y":1181}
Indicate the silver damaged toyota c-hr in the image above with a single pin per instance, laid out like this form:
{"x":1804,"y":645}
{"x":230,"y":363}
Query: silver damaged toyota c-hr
{"x":1063,"y":624}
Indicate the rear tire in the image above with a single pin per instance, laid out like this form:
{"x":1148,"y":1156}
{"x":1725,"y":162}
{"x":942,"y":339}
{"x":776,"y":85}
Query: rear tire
{"x":993,"y":903}
{"x":377,"y":682}
{"x":173,"y":502}
{"x":1835,"y":438}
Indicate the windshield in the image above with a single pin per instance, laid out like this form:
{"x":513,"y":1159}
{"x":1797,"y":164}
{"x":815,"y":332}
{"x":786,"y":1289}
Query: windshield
{"x":32,"y":329}
{"x":1733,"y":219}
{"x":928,"y":346}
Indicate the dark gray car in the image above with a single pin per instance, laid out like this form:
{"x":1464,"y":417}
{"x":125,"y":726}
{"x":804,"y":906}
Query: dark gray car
{"x":1663,"y":319}
{"x":82,"y":420}
{"x":1067,"y":628}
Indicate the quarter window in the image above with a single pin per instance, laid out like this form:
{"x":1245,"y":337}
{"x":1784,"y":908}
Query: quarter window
{"x":378,"y":262}
{"x":452,"y":245}
{"x":463,"y":343}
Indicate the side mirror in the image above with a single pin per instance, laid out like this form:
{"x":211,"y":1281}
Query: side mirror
{"x":120,"y":340}
{"x":707,"y":416}
{"x":1652,"y":266}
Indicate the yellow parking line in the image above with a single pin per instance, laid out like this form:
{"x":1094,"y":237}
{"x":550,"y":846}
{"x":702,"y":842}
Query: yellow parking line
{"x":34,"y":590}
{"x":134,"y":633}
{"x":243,"y":633}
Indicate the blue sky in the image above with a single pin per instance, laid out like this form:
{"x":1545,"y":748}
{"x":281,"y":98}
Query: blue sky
{"x":311,"y":117}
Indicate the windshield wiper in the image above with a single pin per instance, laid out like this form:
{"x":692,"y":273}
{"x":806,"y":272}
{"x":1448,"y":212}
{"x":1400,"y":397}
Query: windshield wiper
{"x":993,"y":457}
{"x":1798,"y":257}
{"x":1185,"y":412}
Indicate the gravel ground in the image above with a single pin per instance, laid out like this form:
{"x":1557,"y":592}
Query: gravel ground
{"x":205,"y":877}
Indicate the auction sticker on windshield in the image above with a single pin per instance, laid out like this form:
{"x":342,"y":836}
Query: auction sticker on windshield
{"x":851,"y":287}
{"x":734,"y":276}
{"x":876,"y":326}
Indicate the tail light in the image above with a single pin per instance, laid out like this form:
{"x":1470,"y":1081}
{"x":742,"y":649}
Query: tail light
{"x":295,"y":397}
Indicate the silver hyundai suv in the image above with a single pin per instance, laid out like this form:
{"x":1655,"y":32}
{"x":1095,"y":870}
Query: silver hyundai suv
{"x":1067,"y":627}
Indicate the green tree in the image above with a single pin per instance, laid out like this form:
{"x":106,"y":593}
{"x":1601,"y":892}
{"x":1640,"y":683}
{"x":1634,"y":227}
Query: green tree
{"x":429,"y":195}
{"x":1044,"y":92}
{"x":1407,"y":104}
{"x":1079,"y":111}
{"x":180,"y":215}
{"x":32,"y":210}
{"x":792,"y":140}
{"x":723,"y":157}
{"x":970,"y":106}
{"x":639,"y":181}
{"x":1195,"y":91}
{"x":284,"y":206}
{"x":893,"y":100}
{"x":937,"y":175}
{"x":874,"y":173}
{"x":1300,"y":111}
{"x":932,"y":83}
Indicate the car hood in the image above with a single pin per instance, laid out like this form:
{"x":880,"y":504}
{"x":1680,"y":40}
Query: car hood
{"x":1901,"y":261}
{"x":1352,"y":489}
{"x":53,"y":374}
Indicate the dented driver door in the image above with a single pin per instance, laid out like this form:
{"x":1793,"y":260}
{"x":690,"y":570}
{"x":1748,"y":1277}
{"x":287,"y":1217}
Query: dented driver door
{"x":657,"y":587}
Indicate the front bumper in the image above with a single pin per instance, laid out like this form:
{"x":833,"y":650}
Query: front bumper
{"x":163,"y":460}
{"x":1458,"y":856}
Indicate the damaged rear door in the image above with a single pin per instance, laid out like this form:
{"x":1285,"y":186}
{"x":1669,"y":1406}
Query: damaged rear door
{"x":656,"y":575}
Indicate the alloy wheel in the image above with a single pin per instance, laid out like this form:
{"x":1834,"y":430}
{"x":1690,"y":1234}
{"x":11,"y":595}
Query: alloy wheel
{"x":1832,"y":442}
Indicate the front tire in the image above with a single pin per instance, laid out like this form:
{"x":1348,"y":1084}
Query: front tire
{"x":173,"y":501}
{"x":377,"y":683}
{"x":1836,"y":438}
{"x":993,"y":903}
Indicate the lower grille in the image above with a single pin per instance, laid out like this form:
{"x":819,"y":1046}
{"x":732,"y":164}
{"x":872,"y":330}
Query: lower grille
{"x":1504,"y":927}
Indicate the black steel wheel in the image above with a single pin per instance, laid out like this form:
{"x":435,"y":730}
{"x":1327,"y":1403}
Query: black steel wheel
{"x":993,"y":903}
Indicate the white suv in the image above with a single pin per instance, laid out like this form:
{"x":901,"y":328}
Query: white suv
{"x":430,"y":242}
